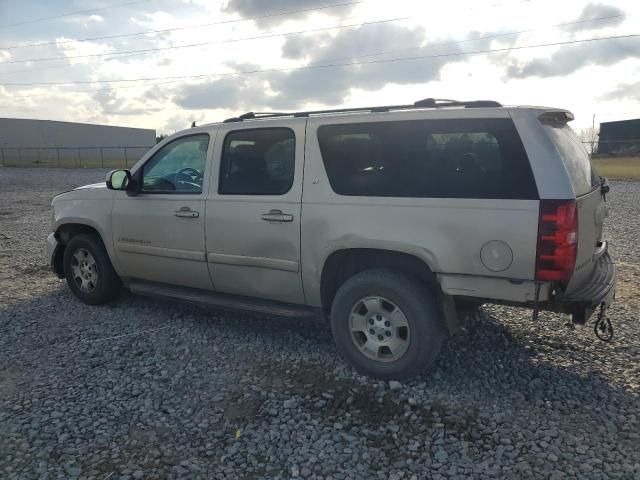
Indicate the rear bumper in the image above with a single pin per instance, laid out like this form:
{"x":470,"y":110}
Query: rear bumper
{"x":598,"y":290}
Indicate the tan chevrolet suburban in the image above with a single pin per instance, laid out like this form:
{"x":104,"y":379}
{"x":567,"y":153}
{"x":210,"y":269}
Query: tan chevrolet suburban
{"x":390,"y":221}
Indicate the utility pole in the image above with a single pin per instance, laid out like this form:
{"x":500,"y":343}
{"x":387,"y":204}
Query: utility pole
{"x":593,"y":133}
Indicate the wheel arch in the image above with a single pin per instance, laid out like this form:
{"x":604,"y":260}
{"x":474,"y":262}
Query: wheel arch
{"x":65,"y":231}
{"x":342,"y":264}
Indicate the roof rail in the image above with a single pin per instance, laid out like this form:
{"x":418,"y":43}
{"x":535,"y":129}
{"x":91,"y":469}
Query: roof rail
{"x":425,"y":103}
{"x":440,"y":102}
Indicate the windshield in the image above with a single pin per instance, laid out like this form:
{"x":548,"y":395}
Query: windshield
{"x":576,"y":159}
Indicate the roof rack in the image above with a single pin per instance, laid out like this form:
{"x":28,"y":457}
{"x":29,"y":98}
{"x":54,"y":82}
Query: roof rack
{"x":425,"y":103}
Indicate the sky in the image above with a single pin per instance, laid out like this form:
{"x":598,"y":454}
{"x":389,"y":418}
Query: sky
{"x":168,"y":63}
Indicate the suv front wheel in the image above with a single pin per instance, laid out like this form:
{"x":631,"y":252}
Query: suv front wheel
{"x":387,"y":324}
{"x":88,"y":270}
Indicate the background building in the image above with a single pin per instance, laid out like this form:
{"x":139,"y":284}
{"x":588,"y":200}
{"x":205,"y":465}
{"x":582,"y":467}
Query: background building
{"x":622,"y":137}
{"x":25,"y":142}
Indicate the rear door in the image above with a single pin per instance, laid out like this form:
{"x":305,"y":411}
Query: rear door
{"x":253,"y":209}
{"x":589,"y":200}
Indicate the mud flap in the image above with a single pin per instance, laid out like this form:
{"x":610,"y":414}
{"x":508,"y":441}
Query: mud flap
{"x":450,"y":314}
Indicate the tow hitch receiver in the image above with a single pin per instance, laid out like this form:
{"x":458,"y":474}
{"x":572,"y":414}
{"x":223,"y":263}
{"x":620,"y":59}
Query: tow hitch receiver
{"x":603,"y":328}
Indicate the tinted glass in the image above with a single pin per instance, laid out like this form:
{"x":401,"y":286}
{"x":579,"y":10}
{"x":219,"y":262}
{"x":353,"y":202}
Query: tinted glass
{"x":257,"y":162}
{"x":178,"y":167}
{"x":576,"y":159}
{"x":476,"y":158}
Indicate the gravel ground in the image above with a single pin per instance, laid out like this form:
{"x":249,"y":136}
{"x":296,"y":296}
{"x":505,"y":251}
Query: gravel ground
{"x":152,"y":389}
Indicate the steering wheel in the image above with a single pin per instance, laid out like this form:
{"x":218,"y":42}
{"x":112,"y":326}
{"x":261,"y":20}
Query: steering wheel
{"x":193,"y":174}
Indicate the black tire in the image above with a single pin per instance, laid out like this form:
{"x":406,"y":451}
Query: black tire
{"x":107,"y":284}
{"x":468,"y":308}
{"x":419,"y":307}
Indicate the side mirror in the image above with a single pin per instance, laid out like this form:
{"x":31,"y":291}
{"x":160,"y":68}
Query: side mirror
{"x":118,"y":179}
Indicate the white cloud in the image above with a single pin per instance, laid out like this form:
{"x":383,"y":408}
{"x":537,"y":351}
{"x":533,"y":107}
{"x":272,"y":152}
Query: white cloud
{"x":85,"y":20}
{"x":595,"y":16}
{"x":573,"y":57}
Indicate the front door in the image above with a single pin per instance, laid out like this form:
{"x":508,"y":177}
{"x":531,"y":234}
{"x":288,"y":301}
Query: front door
{"x":159,"y":233}
{"x":253,"y":216}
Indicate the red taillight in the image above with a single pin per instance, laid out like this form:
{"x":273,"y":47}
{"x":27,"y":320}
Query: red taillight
{"x":557,"y":240}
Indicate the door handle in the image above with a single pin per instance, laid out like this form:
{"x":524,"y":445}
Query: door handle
{"x":186,"y":212}
{"x":277,"y":216}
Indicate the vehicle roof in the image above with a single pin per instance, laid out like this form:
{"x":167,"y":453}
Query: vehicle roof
{"x":428,"y":105}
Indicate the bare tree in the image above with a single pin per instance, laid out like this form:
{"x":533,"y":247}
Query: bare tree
{"x":589,"y":138}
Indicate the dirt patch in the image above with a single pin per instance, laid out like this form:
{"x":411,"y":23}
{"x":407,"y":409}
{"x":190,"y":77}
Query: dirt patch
{"x":241,"y":409}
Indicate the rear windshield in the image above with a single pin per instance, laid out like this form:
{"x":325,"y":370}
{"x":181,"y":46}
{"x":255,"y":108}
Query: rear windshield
{"x":453,"y":158}
{"x":576,"y":159}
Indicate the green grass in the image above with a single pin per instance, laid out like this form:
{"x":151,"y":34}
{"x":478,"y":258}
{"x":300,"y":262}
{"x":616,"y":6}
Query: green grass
{"x":618,"y":167}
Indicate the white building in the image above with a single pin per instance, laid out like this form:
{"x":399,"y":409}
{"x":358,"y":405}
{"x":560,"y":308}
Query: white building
{"x":26,"y":142}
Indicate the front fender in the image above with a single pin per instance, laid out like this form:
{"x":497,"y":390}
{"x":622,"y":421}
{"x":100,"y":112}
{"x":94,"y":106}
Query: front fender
{"x":93,"y":213}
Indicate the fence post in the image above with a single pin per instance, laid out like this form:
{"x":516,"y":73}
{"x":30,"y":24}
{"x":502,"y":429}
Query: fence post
{"x":126,"y":159}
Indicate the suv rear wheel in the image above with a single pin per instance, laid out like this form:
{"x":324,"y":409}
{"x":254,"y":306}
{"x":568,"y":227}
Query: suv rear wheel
{"x":88,"y":270}
{"x":387,"y":324}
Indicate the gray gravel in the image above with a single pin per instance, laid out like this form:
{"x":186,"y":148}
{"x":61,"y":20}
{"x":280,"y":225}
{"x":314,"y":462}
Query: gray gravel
{"x":151,"y":389}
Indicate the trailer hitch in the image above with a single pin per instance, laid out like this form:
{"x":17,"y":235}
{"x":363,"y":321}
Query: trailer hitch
{"x":603,"y":328}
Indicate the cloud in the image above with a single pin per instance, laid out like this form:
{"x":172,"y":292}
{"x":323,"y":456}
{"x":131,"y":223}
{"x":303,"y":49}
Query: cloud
{"x":328,"y":85}
{"x":234,"y":92}
{"x":596,"y":10}
{"x":624,"y":91}
{"x":180,"y":122}
{"x":257,"y":8}
{"x":86,"y":20}
{"x":572,"y":58}
{"x":112,"y":104}
{"x":353,"y":42}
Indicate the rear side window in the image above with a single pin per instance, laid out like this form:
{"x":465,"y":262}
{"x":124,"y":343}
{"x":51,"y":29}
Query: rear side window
{"x":575,"y":157}
{"x":257,"y":162}
{"x":470,"y":158}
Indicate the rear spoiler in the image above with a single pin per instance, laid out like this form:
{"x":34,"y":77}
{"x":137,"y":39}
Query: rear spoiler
{"x":556,"y":116}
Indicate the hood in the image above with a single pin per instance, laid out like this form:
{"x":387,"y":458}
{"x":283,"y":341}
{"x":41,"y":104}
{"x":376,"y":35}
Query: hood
{"x":92,"y":186}
{"x":95,"y":191}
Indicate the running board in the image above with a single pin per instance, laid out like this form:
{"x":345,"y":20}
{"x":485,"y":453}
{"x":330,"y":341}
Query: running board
{"x":220,"y":300}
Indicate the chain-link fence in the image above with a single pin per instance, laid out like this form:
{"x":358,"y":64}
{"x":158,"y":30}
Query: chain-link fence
{"x":71,"y":157}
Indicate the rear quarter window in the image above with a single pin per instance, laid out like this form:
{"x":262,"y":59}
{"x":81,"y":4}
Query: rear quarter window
{"x":453,"y":158}
{"x":576,"y":160}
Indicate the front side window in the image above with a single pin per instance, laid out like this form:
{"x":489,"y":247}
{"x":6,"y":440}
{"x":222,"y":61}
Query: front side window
{"x":178,"y":167}
{"x":257,"y":162}
{"x":452,"y":158}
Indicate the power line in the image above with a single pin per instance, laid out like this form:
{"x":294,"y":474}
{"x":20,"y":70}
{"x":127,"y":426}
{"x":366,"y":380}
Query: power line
{"x":467,"y":40}
{"x":53,"y":67}
{"x":77,"y":12}
{"x":202,"y":25}
{"x":330,"y":65}
{"x":291,"y":12}
{"x":484,"y":37}
{"x":201,"y":44}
